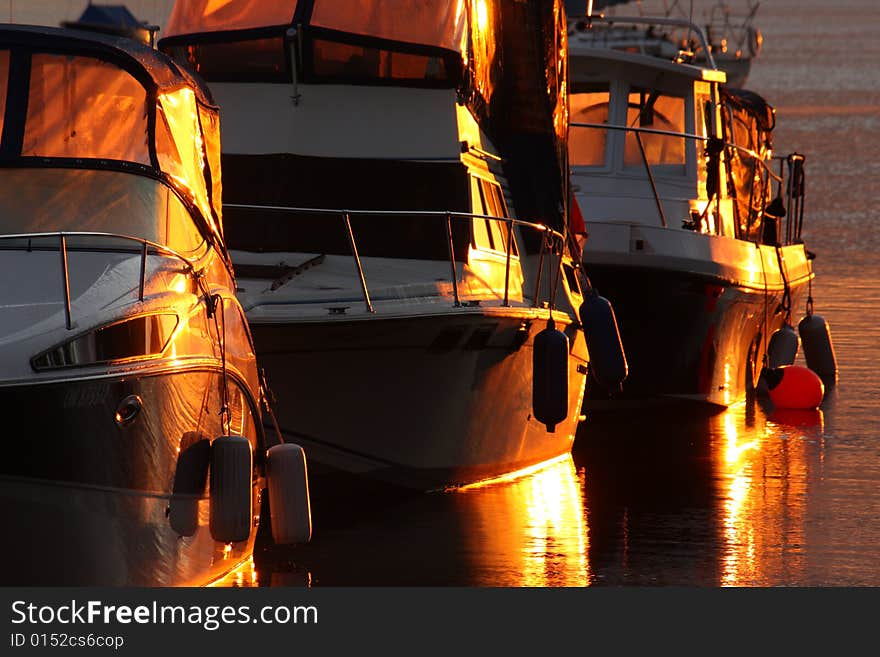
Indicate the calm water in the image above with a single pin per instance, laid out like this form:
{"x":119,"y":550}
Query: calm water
{"x":740,"y":498}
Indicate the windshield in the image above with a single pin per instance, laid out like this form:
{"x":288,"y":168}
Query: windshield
{"x":81,"y":107}
{"x":42,"y":200}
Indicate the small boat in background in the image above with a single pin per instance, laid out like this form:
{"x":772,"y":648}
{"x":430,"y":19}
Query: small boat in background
{"x":732,"y":40}
{"x":125,"y":358}
{"x":695,"y":227}
{"x":395,"y":204}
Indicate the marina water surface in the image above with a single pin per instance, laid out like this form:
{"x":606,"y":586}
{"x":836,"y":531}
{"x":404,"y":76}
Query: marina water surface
{"x":747,"y":497}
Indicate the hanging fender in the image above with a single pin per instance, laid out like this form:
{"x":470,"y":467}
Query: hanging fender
{"x":607,"y":357}
{"x":818,"y":347}
{"x":231,"y":489}
{"x":783,"y":346}
{"x":550,"y":376}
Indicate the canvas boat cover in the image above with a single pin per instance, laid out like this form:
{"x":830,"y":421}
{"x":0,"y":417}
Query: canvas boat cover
{"x":71,"y":99}
{"x":748,"y":122}
{"x":509,"y":56}
{"x":439,"y":23}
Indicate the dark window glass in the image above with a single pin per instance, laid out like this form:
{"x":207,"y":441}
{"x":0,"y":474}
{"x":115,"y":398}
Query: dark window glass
{"x":252,"y":60}
{"x":357,"y":63}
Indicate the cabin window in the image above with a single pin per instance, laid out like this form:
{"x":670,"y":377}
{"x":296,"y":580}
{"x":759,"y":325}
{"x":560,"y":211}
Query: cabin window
{"x":488,"y":199}
{"x":482,"y":232}
{"x":496,"y":208}
{"x":653,"y":110}
{"x":587,"y":146}
{"x":80,"y":107}
{"x":358,"y":63}
{"x":4,"y":84}
{"x":246,"y":60}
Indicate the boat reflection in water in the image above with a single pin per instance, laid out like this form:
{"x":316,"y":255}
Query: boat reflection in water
{"x":534,"y":527}
{"x":764,"y":472}
{"x":658,"y":499}
{"x":723,"y":502}
{"x":528,"y":530}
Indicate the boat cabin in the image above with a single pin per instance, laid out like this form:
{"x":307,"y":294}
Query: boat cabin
{"x":103,"y":134}
{"x":365,"y":106}
{"x":662,"y":143}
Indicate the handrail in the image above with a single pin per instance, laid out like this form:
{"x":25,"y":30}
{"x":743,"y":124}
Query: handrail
{"x":65,"y":280}
{"x":357,"y":260}
{"x":552,"y":241}
{"x":451,"y":246}
{"x":793,"y":161}
{"x":398,"y":213}
{"x":682,"y":135}
{"x":63,"y":248}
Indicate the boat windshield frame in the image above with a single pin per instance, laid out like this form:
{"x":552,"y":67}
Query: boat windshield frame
{"x":298,"y":44}
{"x":24,"y":43}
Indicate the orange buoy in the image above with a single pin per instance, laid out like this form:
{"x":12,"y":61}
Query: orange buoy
{"x":794,"y":387}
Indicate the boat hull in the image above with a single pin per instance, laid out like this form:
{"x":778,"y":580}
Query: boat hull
{"x":88,"y":501}
{"x":690,"y":335}
{"x":424,"y":402}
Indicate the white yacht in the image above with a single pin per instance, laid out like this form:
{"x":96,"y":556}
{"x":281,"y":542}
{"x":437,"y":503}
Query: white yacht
{"x":377,"y":179}
{"x":694,"y":224}
{"x":125,"y":359}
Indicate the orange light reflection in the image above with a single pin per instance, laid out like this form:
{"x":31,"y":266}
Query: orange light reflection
{"x":535,"y":523}
{"x":763,"y":470}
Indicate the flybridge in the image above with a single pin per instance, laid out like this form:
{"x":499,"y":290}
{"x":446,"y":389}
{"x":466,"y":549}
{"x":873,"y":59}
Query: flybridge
{"x":326,"y":41}
{"x":503,"y":59}
{"x":441,"y":23}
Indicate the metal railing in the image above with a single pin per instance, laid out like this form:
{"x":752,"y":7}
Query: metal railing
{"x":790,"y":175}
{"x":551,"y":242}
{"x":42,"y":242}
{"x":645,"y":20}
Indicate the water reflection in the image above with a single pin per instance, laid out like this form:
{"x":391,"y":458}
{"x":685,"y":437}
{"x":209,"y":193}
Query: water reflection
{"x":717,"y":500}
{"x":536,"y":525}
{"x":666,"y":498}
{"x":528,"y":531}
{"x":763,"y":480}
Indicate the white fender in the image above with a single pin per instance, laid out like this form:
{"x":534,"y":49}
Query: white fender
{"x":231,"y":489}
{"x":288,"y":483}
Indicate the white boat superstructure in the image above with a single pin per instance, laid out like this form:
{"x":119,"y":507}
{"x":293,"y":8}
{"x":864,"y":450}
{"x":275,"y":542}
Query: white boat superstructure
{"x":694,"y":226}
{"x":393,"y":294}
